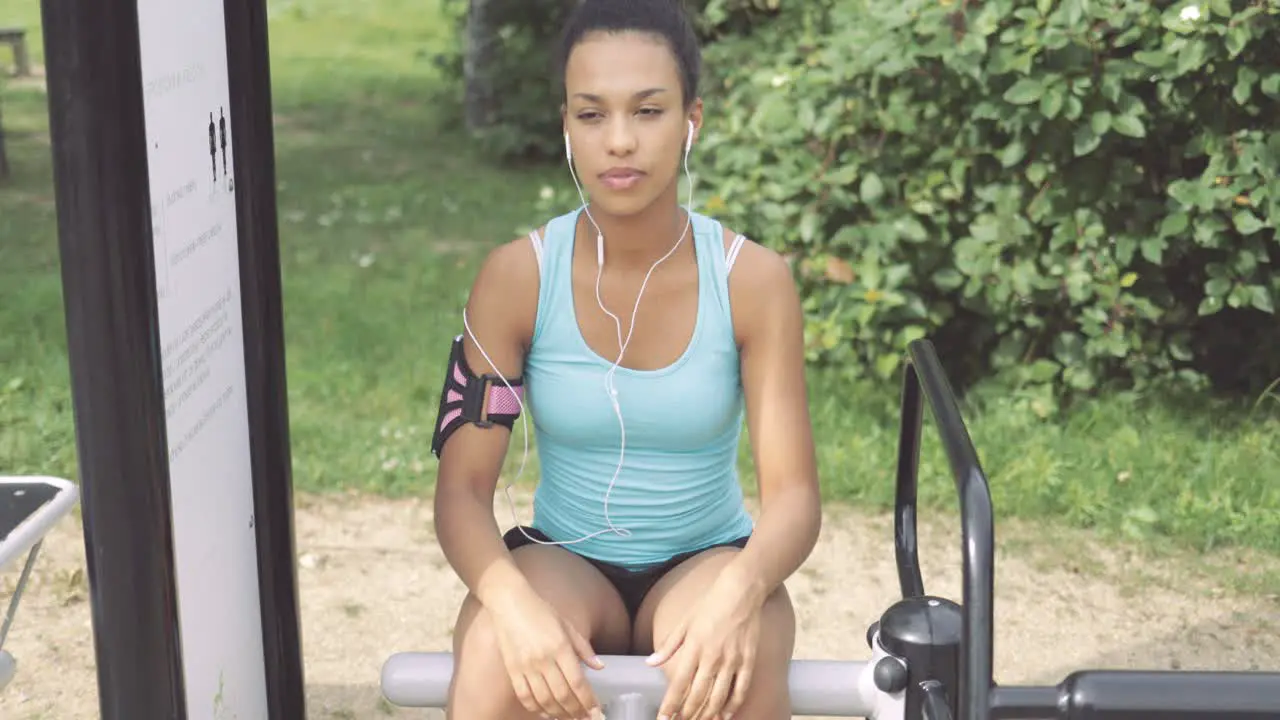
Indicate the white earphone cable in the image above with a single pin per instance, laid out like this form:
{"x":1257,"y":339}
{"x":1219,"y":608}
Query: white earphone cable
{"x":610,"y":388}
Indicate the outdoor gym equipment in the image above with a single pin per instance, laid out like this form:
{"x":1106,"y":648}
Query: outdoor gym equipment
{"x":163,"y":150}
{"x":29,"y":509}
{"x":930,"y":658}
{"x":164,"y":177}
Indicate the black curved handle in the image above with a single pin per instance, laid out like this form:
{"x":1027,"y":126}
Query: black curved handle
{"x":906,"y":550}
{"x":925,"y":381}
{"x":935,"y":701}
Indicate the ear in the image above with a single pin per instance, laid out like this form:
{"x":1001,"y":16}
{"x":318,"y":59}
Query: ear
{"x":696,"y":116}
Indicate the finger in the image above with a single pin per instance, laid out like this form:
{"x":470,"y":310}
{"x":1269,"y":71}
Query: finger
{"x":741,"y":684}
{"x":564,"y":693}
{"x":669,"y":645}
{"x":566,"y":680}
{"x":581,"y":698}
{"x":721,"y":686}
{"x":524,"y":693}
{"x":703,"y":679}
{"x":583,"y":648}
{"x":678,"y":679}
{"x":547,"y":703}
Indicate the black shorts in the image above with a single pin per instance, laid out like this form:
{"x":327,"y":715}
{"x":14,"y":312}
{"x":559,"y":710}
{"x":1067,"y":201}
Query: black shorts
{"x":632,"y":585}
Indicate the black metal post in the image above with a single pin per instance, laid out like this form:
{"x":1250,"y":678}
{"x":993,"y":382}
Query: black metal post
{"x":977,"y":528}
{"x":100,"y":144}
{"x":253,"y":147}
{"x":104,"y":234}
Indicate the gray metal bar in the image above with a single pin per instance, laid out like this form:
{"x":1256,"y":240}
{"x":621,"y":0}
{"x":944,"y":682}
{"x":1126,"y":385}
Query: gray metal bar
{"x":8,"y":668}
{"x":17,"y":592}
{"x":629,"y":706}
{"x":628,"y":686}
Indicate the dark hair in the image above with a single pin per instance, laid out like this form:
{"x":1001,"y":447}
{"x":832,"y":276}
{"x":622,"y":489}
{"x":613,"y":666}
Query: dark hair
{"x":664,"y":18}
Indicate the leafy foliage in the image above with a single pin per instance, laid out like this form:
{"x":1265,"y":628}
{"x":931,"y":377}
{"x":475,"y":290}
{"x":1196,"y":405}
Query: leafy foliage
{"x":1065,"y":192}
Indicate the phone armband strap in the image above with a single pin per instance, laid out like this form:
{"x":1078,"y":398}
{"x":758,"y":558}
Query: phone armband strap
{"x":483,"y":400}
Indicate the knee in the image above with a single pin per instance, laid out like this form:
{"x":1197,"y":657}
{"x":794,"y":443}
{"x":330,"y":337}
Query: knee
{"x":777,"y":628}
{"x":480,"y":684}
{"x":768,"y":695}
{"x":475,"y":639}
{"x":775,"y":641}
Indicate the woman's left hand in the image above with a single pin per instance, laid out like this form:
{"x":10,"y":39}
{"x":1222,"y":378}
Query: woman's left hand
{"x":712,"y":653}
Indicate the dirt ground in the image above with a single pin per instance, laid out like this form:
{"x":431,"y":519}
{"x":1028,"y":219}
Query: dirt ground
{"x":373,"y":582}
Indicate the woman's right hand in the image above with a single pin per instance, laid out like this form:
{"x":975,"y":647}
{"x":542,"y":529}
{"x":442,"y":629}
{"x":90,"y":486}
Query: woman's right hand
{"x":543,"y":652}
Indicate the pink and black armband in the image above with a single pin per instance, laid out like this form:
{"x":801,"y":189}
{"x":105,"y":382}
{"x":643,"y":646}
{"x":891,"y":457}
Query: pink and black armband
{"x":483,"y":400}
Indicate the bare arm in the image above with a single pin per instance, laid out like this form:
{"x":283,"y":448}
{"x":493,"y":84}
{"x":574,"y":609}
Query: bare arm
{"x":542,"y":652}
{"x":770,"y":324}
{"x":500,"y":312}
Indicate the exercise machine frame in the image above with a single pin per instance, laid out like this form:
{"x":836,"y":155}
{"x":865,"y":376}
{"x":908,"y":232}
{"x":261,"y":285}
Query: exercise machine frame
{"x":23,"y":527}
{"x":931,"y":658}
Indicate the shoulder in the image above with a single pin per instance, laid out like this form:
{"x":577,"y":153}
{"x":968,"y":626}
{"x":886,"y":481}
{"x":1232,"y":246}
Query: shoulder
{"x":757,"y":266}
{"x":512,"y":265}
{"x":505,"y":290}
{"x":762,"y":288}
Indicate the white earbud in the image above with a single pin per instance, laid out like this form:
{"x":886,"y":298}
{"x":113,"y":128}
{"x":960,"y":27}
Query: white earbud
{"x":688,"y":143}
{"x":568,"y":151}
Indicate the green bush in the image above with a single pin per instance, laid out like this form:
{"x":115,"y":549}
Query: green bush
{"x":1062,"y":193}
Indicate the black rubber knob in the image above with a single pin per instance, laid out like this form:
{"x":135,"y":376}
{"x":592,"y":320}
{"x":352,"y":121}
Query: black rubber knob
{"x":871,"y":634}
{"x":890,"y":675}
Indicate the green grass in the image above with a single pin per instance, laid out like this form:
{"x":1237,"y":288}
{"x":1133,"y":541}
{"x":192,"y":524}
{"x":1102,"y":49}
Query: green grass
{"x":386,"y":209}
{"x":1140,"y":468}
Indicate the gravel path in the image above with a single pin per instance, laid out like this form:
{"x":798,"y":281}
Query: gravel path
{"x":373,"y":582}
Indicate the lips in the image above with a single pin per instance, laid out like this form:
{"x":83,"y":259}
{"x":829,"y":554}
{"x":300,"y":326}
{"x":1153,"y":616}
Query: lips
{"x":621,"y":178}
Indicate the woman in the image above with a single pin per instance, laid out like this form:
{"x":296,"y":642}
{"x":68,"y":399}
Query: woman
{"x":641,"y":332}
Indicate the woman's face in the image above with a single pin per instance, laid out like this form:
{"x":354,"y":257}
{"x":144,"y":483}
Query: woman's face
{"x":626,"y":120}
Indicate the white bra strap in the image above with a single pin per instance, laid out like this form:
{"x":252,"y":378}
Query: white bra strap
{"x":536,"y":239}
{"x":732,"y":255}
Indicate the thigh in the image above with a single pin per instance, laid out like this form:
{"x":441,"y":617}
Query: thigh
{"x":576,"y":589}
{"x":678,"y":592}
{"x":480,"y":688}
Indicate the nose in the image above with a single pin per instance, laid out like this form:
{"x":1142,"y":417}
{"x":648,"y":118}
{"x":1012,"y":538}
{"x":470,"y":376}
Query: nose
{"x":621,"y":137}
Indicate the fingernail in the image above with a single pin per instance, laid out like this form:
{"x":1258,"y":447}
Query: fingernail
{"x":653,"y":659}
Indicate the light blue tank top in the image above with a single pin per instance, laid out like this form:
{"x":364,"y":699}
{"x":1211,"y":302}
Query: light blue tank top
{"x":678,"y":489}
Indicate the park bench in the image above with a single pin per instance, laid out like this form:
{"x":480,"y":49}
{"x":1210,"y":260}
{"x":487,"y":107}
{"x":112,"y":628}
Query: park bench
{"x":29,"y":508}
{"x":16,"y":38}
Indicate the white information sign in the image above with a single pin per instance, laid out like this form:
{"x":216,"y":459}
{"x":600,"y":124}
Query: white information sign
{"x":187,"y":96}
